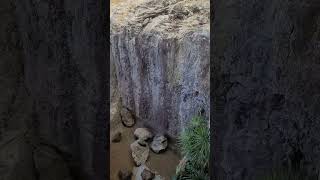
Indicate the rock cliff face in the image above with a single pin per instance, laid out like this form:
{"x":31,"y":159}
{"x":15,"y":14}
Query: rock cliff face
{"x":160,"y":51}
{"x":266,"y":87}
{"x":53,"y":90}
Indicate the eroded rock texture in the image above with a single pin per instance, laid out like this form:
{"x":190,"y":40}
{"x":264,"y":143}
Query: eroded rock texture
{"x":160,"y":52}
{"x":53,"y":90}
{"x":266,"y":87}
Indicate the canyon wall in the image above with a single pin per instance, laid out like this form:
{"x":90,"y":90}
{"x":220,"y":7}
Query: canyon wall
{"x":160,"y":52}
{"x":266,"y":87}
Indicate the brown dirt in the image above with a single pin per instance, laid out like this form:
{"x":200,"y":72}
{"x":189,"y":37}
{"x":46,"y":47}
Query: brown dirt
{"x":116,"y":1}
{"x":120,"y":157}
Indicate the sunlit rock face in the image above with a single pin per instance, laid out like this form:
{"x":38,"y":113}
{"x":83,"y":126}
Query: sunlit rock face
{"x":267,"y":87}
{"x":160,"y":50}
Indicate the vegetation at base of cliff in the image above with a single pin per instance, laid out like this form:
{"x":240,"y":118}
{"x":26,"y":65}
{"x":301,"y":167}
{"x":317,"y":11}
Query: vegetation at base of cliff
{"x":195,"y":146}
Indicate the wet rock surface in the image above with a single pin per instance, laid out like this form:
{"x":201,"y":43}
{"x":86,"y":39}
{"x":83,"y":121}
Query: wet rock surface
{"x":159,"y":144}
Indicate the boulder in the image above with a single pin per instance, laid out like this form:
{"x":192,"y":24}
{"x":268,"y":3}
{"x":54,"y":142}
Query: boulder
{"x":139,"y":153}
{"x":147,"y":174}
{"x":124,"y":174}
{"x":127,"y":117}
{"x":142,"y":134}
{"x":159,"y":144}
{"x":116,"y":137}
{"x":143,"y":172}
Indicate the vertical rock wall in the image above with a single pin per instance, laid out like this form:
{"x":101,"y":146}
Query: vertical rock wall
{"x":162,"y":76}
{"x":163,"y":80}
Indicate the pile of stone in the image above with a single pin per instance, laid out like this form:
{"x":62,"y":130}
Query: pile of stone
{"x":140,"y":149}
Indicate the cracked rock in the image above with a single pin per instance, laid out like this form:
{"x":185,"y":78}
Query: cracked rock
{"x":127,"y":117}
{"x":142,"y":134}
{"x":139,"y":153}
{"x":159,"y":144}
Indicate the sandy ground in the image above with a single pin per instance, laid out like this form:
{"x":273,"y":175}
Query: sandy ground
{"x":115,"y":1}
{"x":120,"y":155}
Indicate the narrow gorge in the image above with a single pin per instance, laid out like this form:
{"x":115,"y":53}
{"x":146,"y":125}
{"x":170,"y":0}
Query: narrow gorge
{"x":160,"y":65}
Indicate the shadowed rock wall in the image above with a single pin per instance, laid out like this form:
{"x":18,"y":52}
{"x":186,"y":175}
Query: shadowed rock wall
{"x":266,"y":87}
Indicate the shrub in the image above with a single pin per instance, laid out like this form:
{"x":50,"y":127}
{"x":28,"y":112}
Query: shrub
{"x":194,"y":142}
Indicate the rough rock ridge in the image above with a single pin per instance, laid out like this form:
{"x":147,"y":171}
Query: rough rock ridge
{"x":160,"y":52}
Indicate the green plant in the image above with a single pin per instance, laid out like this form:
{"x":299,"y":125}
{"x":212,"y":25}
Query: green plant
{"x":195,"y":146}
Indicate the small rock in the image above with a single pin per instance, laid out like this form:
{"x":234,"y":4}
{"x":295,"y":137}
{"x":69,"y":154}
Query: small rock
{"x":127,"y":117}
{"x":142,"y":134}
{"x":159,"y":144}
{"x":146,"y":21}
{"x":116,"y":137}
{"x":139,"y":153}
{"x":147,"y":175}
{"x":124,"y":174}
{"x":138,"y":171}
{"x":195,"y":9}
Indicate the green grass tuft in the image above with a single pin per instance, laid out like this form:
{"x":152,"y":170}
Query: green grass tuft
{"x":195,"y":145}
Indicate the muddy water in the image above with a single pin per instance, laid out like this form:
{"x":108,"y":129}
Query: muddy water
{"x":164,"y":163}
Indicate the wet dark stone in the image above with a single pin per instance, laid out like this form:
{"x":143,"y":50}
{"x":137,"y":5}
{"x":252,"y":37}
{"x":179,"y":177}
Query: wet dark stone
{"x":116,"y":137}
{"x":124,"y":174}
{"x":147,"y":175}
